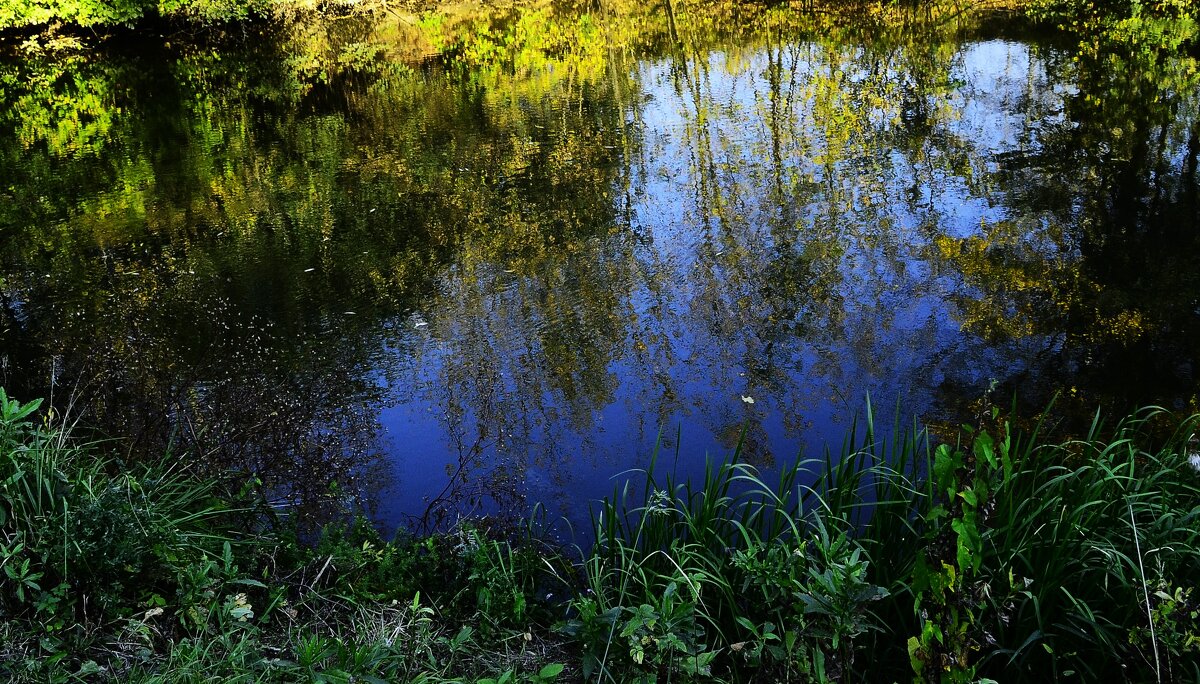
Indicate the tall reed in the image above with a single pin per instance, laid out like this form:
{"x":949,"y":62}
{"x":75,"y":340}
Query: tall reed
{"x":1086,"y":552}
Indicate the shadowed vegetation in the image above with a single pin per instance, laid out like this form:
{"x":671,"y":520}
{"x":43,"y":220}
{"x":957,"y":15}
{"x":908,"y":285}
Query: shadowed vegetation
{"x":997,"y":554}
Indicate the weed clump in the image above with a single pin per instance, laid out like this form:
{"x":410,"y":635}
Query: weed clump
{"x":997,"y":556}
{"x":994,"y":555}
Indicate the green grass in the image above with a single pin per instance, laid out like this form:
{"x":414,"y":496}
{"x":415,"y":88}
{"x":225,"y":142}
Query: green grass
{"x":1031,"y":561}
{"x":987,"y":554}
{"x":118,"y":572}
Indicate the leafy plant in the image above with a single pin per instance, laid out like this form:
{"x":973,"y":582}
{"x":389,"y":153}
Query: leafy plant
{"x":946,"y":581}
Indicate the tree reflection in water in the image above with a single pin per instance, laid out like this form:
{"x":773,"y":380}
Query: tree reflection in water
{"x":476,"y":263}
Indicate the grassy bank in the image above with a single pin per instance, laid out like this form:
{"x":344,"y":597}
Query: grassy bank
{"x":145,"y":573}
{"x":994,"y":554}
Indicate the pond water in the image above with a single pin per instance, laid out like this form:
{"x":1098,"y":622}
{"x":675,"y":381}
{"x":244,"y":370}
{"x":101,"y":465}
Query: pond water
{"x":481,"y":263}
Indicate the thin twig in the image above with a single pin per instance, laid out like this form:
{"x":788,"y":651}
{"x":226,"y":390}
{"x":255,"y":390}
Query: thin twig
{"x":317,"y":579}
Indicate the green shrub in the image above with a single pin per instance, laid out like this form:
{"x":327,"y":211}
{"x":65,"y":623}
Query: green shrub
{"x":995,"y":554}
{"x":992,"y":555}
{"x":99,"y":13}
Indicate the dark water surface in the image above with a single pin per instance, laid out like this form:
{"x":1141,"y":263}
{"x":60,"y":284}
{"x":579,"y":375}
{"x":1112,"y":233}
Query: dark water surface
{"x":478,"y":264}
